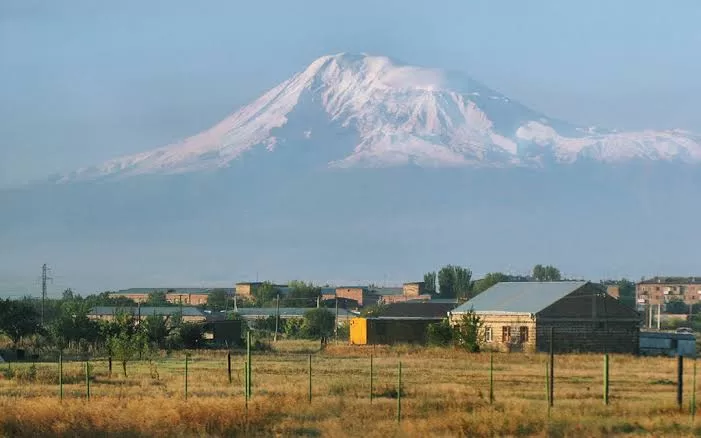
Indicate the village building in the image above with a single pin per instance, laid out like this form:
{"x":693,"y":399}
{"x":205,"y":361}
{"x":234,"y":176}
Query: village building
{"x":405,"y":322}
{"x":109,"y":313}
{"x":661,"y":290}
{"x":581,"y":316}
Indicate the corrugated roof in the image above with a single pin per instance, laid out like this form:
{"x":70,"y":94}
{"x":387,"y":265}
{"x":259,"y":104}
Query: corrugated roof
{"x":520,"y":297}
{"x":387,"y":291}
{"x":146,"y":310}
{"x":177,"y":290}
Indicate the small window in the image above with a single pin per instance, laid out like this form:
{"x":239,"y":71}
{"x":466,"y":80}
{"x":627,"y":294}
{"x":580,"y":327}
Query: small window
{"x":523,"y":334}
{"x":488,"y":334}
{"x":506,"y":334}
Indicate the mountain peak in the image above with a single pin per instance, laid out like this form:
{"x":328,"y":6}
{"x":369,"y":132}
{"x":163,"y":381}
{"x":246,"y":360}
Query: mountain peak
{"x":370,"y":111}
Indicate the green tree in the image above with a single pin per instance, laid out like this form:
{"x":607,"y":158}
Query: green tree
{"x":73,"y":325}
{"x":265,"y":294}
{"x":430,"y":282}
{"x":676,"y":306}
{"x":191,"y":334}
{"x":440,"y":334}
{"x":302,"y":295}
{"x":18,"y":319}
{"x":318,"y":323}
{"x":157,"y":298}
{"x":372,"y":311}
{"x":546,"y":273}
{"x":68,"y":295}
{"x":157,"y":330}
{"x":488,"y":281}
{"x":217,"y":299}
{"x":468,"y":332}
{"x":454,"y":282}
{"x":126,"y":347}
{"x":626,"y":290}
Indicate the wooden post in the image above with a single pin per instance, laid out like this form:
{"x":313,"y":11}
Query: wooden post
{"x":187,"y":357}
{"x":249,"y":373}
{"x":228,"y":366}
{"x":87,"y":380}
{"x":491,"y":378}
{"x":693,"y":395}
{"x":371,"y":377}
{"x":60,"y":376}
{"x":606,"y":379}
{"x":310,"y":378}
{"x":109,"y":365}
{"x":399,"y":393}
{"x":547,"y":385}
{"x":680,"y":380}
{"x":552,"y":369}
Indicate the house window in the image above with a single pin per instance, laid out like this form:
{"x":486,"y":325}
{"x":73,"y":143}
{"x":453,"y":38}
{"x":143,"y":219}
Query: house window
{"x":523,"y":334}
{"x":488,"y":334}
{"x":506,"y":334}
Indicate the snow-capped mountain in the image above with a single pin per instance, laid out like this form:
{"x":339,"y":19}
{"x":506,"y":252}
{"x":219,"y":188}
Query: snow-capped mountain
{"x":368,"y":111}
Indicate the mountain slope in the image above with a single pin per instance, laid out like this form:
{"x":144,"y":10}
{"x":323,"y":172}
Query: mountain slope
{"x":368,"y":111}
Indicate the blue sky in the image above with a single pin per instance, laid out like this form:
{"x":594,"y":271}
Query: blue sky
{"x":84,"y":81}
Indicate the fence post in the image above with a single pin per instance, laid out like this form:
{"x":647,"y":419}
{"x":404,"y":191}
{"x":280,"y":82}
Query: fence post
{"x":491,"y":378}
{"x":187,"y":357}
{"x":606,"y":379}
{"x":249,"y":375}
{"x":310,"y":378}
{"x":680,"y":380}
{"x":109,"y":365}
{"x":371,"y":383}
{"x":87,"y":380}
{"x":552,"y":369}
{"x":228,"y":366}
{"x":245,"y":380}
{"x":60,"y":376}
{"x":399,"y":393}
{"x":547,"y":385}
{"x":693,"y":395}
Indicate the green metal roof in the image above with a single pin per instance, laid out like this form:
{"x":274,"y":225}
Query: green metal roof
{"x":520,"y":297}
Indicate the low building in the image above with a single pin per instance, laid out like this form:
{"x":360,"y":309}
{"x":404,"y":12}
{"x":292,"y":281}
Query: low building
{"x":247,"y":290}
{"x":405,"y":322}
{"x":108,"y":313}
{"x":224,"y":333}
{"x":519,"y":316}
{"x":253,"y":314}
{"x":194,"y":296}
{"x":661,"y":290}
{"x":667,"y":344}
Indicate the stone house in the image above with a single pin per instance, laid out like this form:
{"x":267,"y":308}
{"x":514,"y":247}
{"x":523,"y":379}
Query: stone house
{"x":582,"y":317}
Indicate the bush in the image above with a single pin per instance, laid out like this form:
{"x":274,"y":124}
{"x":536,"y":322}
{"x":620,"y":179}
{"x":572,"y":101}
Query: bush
{"x":440,"y":334}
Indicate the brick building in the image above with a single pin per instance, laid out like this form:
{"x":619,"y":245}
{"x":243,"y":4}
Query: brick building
{"x":661,"y":290}
{"x":583,"y":317}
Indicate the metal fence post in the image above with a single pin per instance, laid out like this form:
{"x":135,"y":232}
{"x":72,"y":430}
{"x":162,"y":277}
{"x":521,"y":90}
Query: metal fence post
{"x":310,"y":378}
{"x":552,"y":369}
{"x":680,"y":380}
{"x":249,"y":375}
{"x":693,"y":395}
{"x":371,"y":378}
{"x":60,"y":376}
{"x":491,"y":378}
{"x":87,"y":380}
{"x":228,"y":366}
{"x":187,"y":357}
{"x":606,"y":379}
{"x":399,"y":393}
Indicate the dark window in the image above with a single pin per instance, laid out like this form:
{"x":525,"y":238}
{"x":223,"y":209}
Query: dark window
{"x":506,"y":334}
{"x":523,"y":334}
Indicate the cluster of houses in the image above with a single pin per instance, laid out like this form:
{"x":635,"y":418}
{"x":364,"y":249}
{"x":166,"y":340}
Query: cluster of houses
{"x":569,"y":316}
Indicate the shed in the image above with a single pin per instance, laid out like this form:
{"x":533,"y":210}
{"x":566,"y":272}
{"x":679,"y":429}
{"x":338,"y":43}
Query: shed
{"x":519,"y":316}
{"x":224,"y":333}
{"x":667,"y":344}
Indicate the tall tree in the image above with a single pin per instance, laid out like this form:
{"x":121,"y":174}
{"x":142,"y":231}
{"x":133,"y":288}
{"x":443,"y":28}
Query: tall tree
{"x":430,"y":282}
{"x":217,"y":299}
{"x":546,"y":273}
{"x":73,"y":325}
{"x":454,"y":282}
{"x":302,"y":295}
{"x":488,"y":281}
{"x":18,"y":319}
{"x":157,"y":298}
{"x":265,"y":294}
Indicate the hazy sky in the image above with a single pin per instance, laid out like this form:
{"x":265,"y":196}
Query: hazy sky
{"x":84,"y":81}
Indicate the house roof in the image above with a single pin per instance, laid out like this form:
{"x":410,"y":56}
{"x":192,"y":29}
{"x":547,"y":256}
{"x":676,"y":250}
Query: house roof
{"x":672,"y":280}
{"x":416,"y":310}
{"x":520,"y":297}
{"x":383,"y":291}
{"x":147,"y":310}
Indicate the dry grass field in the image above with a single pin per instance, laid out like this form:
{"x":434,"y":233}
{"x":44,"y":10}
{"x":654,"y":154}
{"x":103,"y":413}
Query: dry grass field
{"x":445,"y":393}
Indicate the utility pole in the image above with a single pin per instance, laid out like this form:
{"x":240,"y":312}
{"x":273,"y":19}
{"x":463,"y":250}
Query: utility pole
{"x":44,"y":278}
{"x":659,"y":315}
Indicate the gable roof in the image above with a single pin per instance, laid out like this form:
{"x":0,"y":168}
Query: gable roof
{"x":520,"y":297}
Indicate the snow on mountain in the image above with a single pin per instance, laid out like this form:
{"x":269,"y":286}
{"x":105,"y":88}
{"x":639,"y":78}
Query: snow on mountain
{"x":398,"y":115}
